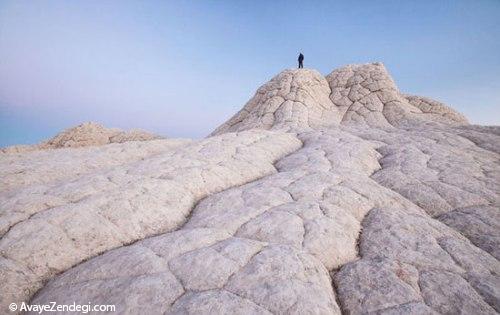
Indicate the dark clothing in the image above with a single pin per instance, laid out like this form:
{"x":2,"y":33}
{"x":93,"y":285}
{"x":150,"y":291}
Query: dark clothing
{"x":301,"y":60}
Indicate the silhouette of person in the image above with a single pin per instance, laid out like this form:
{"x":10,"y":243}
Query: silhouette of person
{"x":301,"y":60}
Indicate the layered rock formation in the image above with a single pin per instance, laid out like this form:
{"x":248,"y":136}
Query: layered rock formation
{"x":323,"y":195}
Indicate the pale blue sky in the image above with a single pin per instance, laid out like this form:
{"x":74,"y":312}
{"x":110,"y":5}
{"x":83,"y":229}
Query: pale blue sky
{"x":181,"y":68}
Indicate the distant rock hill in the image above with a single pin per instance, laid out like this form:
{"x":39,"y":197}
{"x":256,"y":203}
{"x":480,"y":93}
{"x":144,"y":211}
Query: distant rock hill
{"x":323,"y":195}
{"x":86,"y":134}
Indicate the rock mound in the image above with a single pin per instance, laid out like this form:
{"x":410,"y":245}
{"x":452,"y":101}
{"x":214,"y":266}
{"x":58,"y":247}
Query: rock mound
{"x":436,"y":110}
{"x":296,"y":98}
{"x":352,"y":95}
{"x":368,"y":95}
{"x":86,"y":134}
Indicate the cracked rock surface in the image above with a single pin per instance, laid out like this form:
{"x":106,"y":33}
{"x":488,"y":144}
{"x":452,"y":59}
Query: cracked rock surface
{"x":323,"y":195}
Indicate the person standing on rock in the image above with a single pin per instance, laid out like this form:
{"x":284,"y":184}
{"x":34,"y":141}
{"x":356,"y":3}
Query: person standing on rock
{"x":301,"y":60}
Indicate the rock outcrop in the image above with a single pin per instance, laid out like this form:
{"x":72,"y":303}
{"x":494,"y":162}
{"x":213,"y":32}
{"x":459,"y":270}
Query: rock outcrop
{"x":293,"y":99}
{"x":323,"y":195}
{"x":84,"y":135}
{"x":355,"y":95}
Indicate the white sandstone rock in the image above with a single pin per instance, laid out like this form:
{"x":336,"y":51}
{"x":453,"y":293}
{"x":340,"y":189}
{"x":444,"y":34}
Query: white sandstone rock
{"x":84,"y":135}
{"x":321,"y":196}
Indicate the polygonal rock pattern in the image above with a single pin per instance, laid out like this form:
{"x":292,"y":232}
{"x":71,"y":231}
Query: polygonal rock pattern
{"x":292,"y":99}
{"x":367,"y":95}
{"x":335,"y":195}
{"x":429,"y":106}
{"x":50,"y":227}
